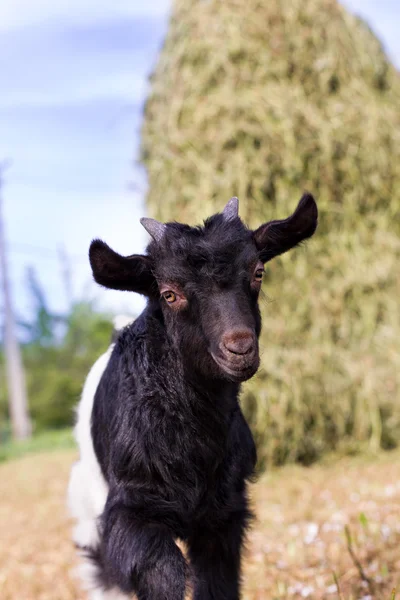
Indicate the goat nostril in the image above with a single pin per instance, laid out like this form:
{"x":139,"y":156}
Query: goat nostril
{"x":238,"y":342}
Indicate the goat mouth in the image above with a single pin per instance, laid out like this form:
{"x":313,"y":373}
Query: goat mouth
{"x":237,"y":372}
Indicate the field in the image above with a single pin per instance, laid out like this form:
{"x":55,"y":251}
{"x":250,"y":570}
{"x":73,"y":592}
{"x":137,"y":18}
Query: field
{"x":330,"y":531}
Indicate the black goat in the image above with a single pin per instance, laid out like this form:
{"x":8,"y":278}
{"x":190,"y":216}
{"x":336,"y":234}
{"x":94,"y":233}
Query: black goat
{"x":165,"y":449}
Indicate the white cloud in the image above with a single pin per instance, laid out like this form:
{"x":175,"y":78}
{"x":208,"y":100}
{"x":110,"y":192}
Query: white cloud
{"x":62,"y":62}
{"x":17,"y":14}
{"x":73,"y":220}
{"x":117,"y":222}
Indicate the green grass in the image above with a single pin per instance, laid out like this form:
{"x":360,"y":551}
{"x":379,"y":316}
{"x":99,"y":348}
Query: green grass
{"x":41,"y":442}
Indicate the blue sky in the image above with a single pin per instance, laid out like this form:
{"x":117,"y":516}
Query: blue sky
{"x":73,"y":82}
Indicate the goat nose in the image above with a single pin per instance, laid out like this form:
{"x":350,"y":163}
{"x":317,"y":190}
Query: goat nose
{"x":239,"y":341}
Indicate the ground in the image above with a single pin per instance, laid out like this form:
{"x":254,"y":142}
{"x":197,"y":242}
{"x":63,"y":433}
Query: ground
{"x":299,"y":546}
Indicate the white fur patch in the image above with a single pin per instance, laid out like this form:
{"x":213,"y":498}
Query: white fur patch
{"x":121,"y":321}
{"x":87,"y":574}
{"x":87,"y":490}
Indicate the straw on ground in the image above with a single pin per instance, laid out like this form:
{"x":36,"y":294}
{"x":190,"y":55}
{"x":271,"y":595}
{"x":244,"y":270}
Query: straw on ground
{"x":297,"y":543}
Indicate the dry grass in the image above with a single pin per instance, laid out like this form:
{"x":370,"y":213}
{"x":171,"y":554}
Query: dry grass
{"x":298,"y":544}
{"x":298,"y":540}
{"x":36,"y":555}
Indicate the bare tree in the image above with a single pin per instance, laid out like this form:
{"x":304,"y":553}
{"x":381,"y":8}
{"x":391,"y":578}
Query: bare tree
{"x":17,"y":397}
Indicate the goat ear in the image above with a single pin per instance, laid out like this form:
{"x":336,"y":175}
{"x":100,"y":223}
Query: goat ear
{"x":277,"y":237}
{"x":129,"y":273}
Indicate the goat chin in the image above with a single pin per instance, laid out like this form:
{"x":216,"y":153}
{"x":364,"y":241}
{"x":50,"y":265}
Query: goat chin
{"x":237,"y":374}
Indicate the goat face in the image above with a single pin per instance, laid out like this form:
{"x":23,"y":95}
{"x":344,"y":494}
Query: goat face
{"x":207,"y":280}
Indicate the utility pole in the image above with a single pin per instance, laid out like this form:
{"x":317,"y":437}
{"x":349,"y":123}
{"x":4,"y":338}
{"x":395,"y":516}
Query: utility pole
{"x":17,"y":398}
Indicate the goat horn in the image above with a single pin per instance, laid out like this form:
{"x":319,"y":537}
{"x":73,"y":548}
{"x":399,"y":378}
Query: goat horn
{"x":231,"y":210}
{"x":154,"y":228}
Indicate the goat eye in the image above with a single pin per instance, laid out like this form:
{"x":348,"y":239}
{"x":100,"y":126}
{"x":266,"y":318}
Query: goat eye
{"x":258,"y":275}
{"x":169,"y":296}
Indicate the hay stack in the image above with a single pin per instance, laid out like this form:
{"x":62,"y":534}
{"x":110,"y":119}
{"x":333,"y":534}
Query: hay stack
{"x":262,"y":100}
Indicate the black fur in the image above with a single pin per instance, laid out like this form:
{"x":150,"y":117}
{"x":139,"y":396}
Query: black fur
{"x":167,"y":428}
